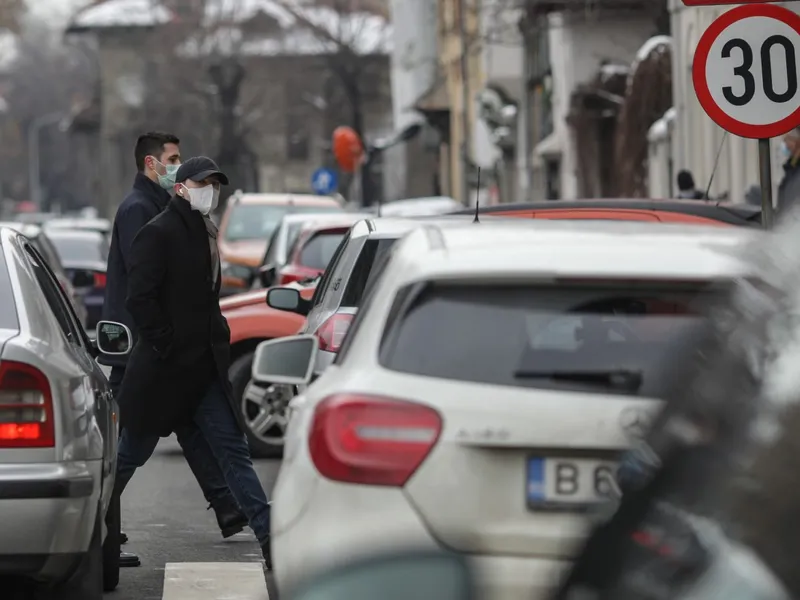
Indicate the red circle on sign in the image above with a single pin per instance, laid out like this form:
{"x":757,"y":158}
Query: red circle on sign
{"x":713,"y":110}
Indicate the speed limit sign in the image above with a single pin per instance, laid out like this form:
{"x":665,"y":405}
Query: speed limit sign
{"x":745,"y":71}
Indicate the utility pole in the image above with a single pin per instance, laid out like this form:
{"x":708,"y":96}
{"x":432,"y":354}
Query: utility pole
{"x":465,"y":101}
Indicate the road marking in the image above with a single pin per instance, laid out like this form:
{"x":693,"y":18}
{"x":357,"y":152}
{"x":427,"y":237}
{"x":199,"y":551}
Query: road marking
{"x":215,"y":581}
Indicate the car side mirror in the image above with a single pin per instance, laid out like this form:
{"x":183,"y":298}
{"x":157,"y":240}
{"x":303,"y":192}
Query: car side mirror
{"x":288,"y":360}
{"x":288,"y":299}
{"x":82,"y":279}
{"x":414,"y":574}
{"x":113,"y":338}
{"x":267,"y":275}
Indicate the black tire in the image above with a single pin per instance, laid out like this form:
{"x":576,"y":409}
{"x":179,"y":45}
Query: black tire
{"x":86,"y":583}
{"x":111,"y":546}
{"x":239,"y":374}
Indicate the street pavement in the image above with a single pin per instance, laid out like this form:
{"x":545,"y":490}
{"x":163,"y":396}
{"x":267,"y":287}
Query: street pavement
{"x":183,"y":554}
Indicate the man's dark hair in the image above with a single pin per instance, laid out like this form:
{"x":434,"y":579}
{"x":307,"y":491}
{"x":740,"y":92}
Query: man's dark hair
{"x":152,"y":144}
{"x":685,"y":181}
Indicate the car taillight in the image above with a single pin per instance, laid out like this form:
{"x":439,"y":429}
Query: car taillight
{"x":331,"y":333}
{"x":99,"y":280}
{"x":371,"y":440}
{"x":26,"y":407}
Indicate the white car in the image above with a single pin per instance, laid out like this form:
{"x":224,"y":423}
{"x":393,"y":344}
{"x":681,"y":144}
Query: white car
{"x":484,"y":392}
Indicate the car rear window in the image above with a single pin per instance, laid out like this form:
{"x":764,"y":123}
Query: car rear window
{"x":597,"y":337}
{"x":81,"y":249}
{"x":8,"y":308}
{"x":318,"y":250}
{"x":258,"y":221}
{"x":371,"y":254}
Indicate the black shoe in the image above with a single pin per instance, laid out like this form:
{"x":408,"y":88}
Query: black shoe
{"x":266,"y":550}
{"x":123,"y":538}
{"x":229,"y":517}
{"x":129,"y":559}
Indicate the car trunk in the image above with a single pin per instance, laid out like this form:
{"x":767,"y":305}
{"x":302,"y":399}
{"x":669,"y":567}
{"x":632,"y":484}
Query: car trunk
{"x":540,"y":386}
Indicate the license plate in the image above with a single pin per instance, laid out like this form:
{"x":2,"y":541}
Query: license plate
{"x":569,"y":483}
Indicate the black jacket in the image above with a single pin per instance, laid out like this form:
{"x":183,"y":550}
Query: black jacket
{"x":145,"y":201}
{"x":184,"y":341}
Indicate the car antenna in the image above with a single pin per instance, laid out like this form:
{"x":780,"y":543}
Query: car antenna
{"x":477,"y":197}
{"x":714,"y":170}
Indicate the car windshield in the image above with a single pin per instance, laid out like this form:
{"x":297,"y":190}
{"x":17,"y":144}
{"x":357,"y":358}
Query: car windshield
{"x":258,"y":221}
{"x":80,"y":249}
{"x":318,"y":250}
{"x":592,"y":337}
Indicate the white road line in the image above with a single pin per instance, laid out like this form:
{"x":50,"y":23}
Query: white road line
{"x":215,"y":581}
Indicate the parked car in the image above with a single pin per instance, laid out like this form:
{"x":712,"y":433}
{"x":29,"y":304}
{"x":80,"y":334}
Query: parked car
{"x":251,"y":321}
{"x":420,"y":207}
{"x":666,"y":211}
{"x":246,"y":226}
{"x":313,"y":248}
{"x":493,"y":363}
{"x":44,"y":246}
{"x":84,"y":254}
{"x":58,"y":435}
{"x":283,"y":239}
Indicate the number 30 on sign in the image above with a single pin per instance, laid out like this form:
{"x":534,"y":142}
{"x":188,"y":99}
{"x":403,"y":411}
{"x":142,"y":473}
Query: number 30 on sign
{"x":745,"y":71}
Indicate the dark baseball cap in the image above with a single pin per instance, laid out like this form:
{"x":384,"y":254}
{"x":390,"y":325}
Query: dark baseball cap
{"x":198,"y":168}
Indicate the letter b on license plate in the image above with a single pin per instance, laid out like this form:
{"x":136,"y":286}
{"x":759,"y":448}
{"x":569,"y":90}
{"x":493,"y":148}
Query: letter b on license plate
{"x":569,"y":482}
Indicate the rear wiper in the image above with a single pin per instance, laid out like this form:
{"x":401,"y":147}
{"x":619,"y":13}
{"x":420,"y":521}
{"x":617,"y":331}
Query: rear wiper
{"x":625,"y":379}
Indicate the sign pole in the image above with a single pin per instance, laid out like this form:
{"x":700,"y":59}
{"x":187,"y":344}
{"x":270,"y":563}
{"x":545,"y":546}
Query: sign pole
{"x":765,"y":173}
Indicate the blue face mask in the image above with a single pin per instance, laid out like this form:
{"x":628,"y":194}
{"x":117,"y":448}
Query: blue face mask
{"x":167,"y":181}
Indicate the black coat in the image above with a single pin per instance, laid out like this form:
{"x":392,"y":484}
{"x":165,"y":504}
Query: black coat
{"x":144,"y":202}
{"x":184,"y":341}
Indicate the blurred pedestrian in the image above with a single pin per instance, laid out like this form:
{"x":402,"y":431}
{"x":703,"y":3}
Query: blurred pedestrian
{"x":686,"y":187}
{"x":789,"y":187}
{"x":157,"y":158}
{"x":178,"y":370}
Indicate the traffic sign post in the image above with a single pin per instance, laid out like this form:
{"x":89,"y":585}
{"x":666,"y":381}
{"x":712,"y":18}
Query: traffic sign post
{"x":745,"y":74}
{"x":324,"y":181}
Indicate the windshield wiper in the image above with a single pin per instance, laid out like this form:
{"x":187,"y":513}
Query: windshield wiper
{"x":624,"y":379}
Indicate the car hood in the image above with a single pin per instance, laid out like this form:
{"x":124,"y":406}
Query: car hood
{"x":245,"y":299}
{"x":245,"y":252}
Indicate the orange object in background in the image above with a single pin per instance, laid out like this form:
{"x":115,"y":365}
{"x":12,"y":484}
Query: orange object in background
{"x":347,"y":148}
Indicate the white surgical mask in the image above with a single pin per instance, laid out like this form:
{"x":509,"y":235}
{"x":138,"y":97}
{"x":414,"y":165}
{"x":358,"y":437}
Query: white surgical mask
{"x":201,"y":199}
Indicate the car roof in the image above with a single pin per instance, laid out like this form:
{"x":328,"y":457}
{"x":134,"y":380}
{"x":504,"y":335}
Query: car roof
{"x":79,"y":223}
{"x":333,"y":221}
{"x":392,"y":227}
{"x":304,"y":217}
{"x":74,"y":234}
{"x":29,"y":230}
{"x":577,"y":249}
{"x":282,"y":199}
{"x":726,"y":212}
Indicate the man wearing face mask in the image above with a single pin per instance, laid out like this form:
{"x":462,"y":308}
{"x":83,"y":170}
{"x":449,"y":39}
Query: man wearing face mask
{"x":789,"y":188}
{"x":158,"y":158}
{"x":177,"y":373}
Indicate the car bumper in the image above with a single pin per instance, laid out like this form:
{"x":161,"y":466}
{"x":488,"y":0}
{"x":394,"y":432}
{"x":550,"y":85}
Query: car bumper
{"x":48,"y":513}
{"x":340,"y":524}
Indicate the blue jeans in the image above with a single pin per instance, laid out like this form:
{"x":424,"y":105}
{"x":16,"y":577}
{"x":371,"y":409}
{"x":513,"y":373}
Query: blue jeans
{"x":195,"y":449}
{"x":216,"y":423}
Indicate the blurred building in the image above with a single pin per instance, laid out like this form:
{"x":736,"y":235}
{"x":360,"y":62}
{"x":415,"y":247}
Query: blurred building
{"x":263,"y":84}
{"x":686,"y":138}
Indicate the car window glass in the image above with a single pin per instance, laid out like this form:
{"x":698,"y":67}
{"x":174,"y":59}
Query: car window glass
{"x":318,"y":250}
{"x":369,"y":294}
{"x":575,"y":337}
{"x":272,"y":247}
{"x":55,"y":298}
{"x":8,"y":308}
{"x":75,"y":249}
{"x":45,"y":247}
{"x":371,"y":253}
{"x":319,"y":292}
{"x":258,"y":221}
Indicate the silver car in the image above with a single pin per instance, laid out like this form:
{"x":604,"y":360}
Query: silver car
{"x":58,"y":435}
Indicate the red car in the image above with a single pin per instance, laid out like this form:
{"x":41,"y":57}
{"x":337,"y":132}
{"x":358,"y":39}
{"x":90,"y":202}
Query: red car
{"x":313,"y":249}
